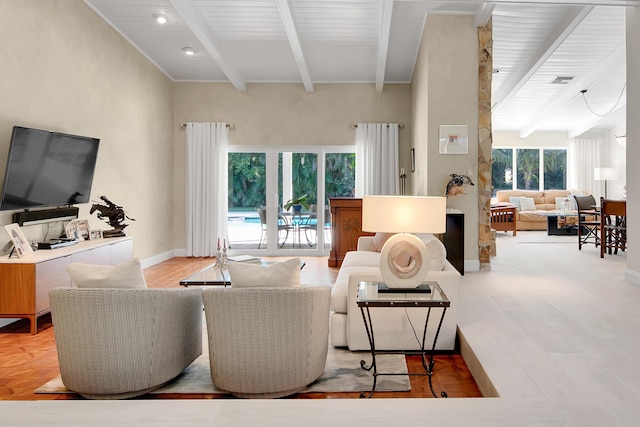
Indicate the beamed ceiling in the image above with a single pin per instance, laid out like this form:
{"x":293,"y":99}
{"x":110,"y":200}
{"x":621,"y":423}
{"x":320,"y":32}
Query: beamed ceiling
{"x":545,"y":52}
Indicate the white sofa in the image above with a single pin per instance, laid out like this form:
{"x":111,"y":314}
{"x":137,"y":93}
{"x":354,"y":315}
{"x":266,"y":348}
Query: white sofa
{"x":392,"y":329}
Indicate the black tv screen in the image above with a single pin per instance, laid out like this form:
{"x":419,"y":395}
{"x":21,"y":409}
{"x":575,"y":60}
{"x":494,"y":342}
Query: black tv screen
{"x":48,"y":169}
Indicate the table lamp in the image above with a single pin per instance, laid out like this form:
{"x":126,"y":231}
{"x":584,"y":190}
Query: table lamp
{"x":404,"y":260}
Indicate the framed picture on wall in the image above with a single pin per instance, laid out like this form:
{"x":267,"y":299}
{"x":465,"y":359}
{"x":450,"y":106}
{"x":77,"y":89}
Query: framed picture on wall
{"x":454,"y":139}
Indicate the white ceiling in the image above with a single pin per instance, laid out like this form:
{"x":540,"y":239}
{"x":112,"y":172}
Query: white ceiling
{"x":376,"y":41}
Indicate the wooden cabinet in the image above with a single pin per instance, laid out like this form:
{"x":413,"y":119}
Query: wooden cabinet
{"x":346,"y":227}
{"x":25,"y":282}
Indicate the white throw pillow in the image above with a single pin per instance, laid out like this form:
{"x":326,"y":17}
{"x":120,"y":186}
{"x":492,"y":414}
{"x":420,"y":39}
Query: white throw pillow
{"x":436,"y":251}
{"x":379,"y":240}
{"x":527,"y":204}
{"x":516,"y":201}
{"x":127,"y":275}
{"x":279,"y":274}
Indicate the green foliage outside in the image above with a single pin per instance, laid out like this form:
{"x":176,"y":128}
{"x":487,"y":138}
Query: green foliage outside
{"x":502,"y":159}
{"x":247,"y":178}
{"x":247,"y":181}
{"x":528,"y":168}
{"x":555,"y":169}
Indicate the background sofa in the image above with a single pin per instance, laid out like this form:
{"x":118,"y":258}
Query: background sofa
{"x":393,"y":330}
{"x":546,"y":200}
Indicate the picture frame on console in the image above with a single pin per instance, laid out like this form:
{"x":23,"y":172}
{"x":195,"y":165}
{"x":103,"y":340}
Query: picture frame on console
{"x":20,"y":242}
{"x":72,"y":230}
{"x":95,"y":234}
{"x":83,"y":229}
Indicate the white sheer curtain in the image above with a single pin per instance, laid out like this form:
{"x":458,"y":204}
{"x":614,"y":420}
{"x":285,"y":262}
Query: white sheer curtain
{"x":584,"y":157}
{"x":206,"y":198}
{"x":376,"y":159}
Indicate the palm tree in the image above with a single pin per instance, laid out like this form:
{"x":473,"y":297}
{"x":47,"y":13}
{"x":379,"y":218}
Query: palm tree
{"x":528,"y":166}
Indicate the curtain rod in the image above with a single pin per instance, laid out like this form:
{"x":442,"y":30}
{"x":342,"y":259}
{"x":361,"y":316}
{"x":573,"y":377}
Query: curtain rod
{"x":354,"y":126}
{"x":229,"y":125}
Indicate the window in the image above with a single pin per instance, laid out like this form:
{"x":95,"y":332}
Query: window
{"x":522,"y":168}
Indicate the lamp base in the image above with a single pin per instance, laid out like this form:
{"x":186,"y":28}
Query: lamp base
{"x":403,"y":261}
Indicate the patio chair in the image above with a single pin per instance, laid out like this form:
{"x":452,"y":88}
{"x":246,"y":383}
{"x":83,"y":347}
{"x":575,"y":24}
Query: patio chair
{"x":613,"y":226}
{"x":283,"y":225}
{"x":588,"y":221}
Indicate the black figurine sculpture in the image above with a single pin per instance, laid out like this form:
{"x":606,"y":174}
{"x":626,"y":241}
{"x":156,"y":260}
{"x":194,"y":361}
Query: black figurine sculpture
{"x":112,"y":214}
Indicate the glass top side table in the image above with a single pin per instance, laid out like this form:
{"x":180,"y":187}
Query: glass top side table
{"x":428,"y":295}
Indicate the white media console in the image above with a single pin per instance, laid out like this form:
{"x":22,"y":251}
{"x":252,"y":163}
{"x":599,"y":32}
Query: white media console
{"x":25,"y":282}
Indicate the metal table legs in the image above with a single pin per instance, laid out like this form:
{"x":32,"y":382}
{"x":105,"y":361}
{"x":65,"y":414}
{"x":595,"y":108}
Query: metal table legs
{"x":427,"y":362}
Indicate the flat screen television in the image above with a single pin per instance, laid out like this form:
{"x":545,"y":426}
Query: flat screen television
{"x":47,"y":168}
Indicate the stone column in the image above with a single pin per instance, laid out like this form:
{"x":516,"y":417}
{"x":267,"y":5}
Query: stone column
{"x":485,"y":74}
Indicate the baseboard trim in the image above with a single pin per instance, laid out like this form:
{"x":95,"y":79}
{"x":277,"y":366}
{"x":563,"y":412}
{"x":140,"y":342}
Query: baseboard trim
{"x":157,"y":259}
{"x":632,"y":276}
{"x":471,"y":265}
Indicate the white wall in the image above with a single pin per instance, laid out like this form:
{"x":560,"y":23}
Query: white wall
{"x":65,"y":69}
{"x":445,"y":91}
{"x":617,"y":158}
{"x":633,"y":144}
{"x":536,"y":139}
{"x":284,"y":114}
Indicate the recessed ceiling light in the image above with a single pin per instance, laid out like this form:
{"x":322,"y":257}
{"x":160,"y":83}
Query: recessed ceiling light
{"x":160,"y":19}
{"x":188,"y":51}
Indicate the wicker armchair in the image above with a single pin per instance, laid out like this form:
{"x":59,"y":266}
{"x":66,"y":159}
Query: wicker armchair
{"x":122,"y":343}
{"x":266,"y":342}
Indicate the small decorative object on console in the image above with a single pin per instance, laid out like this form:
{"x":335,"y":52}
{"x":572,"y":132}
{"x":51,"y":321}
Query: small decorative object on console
{"x":114,"y":215}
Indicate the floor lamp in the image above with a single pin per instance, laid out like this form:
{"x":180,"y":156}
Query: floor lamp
{"x":605,"y":174}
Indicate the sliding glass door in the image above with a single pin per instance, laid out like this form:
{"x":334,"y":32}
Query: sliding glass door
{"x":278,"y":198}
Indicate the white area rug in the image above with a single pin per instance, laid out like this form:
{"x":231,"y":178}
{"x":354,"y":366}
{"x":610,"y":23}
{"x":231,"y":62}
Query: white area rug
{"x":342,"y":374}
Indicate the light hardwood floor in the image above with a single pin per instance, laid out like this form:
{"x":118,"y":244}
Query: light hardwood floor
{"x":554,"y":329}
{"x":27,"y":362}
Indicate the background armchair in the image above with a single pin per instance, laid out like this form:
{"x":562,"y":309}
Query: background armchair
{"x":588,"y":221}
{"x":121,"y":343}
{"x":613,"y":226}
{"x":266,"y":342}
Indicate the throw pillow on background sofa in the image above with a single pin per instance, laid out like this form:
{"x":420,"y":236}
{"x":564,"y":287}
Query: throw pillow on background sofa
{"x":515,"y":200}
{"x":527,"y":204}
{"x":279,"y":274}
{"x":127,"y":275}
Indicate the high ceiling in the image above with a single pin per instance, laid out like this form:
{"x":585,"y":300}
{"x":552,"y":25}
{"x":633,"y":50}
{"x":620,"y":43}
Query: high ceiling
{"x":545,"y":52}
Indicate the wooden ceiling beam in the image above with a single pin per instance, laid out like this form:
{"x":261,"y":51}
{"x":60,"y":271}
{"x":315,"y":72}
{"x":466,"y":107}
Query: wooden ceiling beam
{"x":194,"y":20}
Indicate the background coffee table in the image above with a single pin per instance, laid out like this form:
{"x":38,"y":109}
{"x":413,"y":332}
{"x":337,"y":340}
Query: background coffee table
{"x":208,"y":276}
{"x":212,"y":276}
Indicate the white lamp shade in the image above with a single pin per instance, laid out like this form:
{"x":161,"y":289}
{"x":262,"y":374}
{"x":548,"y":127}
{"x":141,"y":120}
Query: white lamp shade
{"x":404,"y":214}
{"x":605,"y":174}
